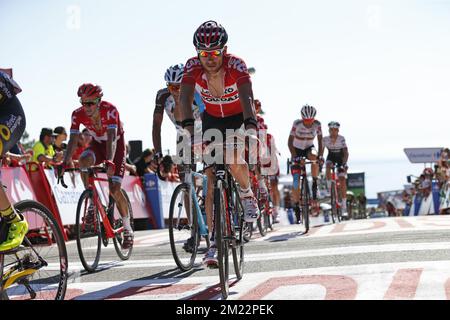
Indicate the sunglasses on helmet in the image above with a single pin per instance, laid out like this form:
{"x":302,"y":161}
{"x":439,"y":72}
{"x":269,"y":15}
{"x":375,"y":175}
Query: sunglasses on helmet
{"x":212,"y":53}
{"x":335,"y":125}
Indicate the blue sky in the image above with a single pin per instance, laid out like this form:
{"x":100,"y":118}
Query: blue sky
{"x":381,"y":68}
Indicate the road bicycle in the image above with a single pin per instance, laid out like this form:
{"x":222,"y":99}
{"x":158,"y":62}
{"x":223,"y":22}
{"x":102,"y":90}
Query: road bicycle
{"x":100,"y":224}
{"x":187,"y":219}
{"x":298,"y":169}
{"x":38,"y":268}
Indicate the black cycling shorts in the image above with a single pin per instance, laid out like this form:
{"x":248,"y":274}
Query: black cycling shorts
{"x":12,"y":124}
{"x":335,"y":158}
{"x":303,"y":152}
{"x":221,"y":124}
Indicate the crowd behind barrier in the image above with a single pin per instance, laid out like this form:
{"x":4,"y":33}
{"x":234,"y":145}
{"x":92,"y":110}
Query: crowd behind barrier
{"x":428,"y":194}
{"x":28,"y":173}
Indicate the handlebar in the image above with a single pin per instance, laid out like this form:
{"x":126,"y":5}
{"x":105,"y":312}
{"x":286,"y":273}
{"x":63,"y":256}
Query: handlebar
{"x":91,"y":171}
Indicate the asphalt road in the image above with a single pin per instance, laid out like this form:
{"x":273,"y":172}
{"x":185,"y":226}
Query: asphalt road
{"x":388,"y":258}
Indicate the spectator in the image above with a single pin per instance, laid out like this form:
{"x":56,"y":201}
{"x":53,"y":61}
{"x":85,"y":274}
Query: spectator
{"x":166,"y":170}
{"x":129,"y":166}
{"x":15,"y":157}
{"x":61,"y":136}
{"x":43,"y":151}
{"x":143,"y":162}
{"x":84,"y":141}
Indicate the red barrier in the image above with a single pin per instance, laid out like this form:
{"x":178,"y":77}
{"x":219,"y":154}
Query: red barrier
{"x":43,"y":192}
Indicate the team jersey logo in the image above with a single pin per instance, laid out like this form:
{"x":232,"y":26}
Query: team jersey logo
{"x":237,"y":64}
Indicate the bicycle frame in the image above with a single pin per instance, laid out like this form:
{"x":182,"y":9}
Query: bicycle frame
{"x":110,"y":232}
{"x":335,"y":186}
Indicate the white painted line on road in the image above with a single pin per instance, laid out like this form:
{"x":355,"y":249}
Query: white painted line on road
{"x":400,"y":247}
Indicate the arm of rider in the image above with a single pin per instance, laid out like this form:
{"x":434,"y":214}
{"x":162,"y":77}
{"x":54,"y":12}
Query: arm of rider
{"x":291,"y":146}
{"x":246,"y":99}
{"x":71,"y":146}
{"x":186,"y":100}
{"x":111,"y":146}
{"x":321,"y":148}
{"x":158,"y":116}
{"x":345,"y":157}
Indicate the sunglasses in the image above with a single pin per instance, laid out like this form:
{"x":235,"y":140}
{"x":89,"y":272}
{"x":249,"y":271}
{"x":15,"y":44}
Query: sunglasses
{"x":173,"y":87}
{"x":213,"y":53}
{"x":89,"y":103}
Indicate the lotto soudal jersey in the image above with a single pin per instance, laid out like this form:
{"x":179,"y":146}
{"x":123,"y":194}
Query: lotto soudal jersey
{"x":335,"y":146}
{"x":109,"y":119}
{"x":304,"y":136}
{"x":8,"y":87}
{"x":235,"y":75}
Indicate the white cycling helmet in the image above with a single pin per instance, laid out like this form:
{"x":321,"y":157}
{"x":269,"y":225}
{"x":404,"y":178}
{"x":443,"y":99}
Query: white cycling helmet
{"x":174,"y":74}
{"x":334,"y":124}
{"x":308,"y":112}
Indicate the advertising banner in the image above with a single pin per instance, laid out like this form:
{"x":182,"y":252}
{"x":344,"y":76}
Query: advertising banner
{"x":356,"y":183}
{"x":423,"y":155}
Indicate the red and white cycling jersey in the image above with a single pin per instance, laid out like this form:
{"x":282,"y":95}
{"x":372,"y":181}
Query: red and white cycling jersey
{"x":303,"y":136}
{"x":109,"y":118}
{"x":236,"y":74}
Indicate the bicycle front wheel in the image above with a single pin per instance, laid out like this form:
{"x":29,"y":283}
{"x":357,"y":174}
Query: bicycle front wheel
{"x":88,"y":232}
{"x":220,"y":225}
{"x":334,"y":215}
{"x":305,"y":203}
{"x":183,"y":228}
{"x":238,"y":238}
{"x":124,"y":254}
{"x":39,"y":266}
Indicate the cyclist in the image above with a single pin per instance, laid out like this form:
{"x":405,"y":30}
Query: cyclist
{"x":337,"y":154}
{"x":168,"y":100}
{"x":13,"y":226}
{"x":301,"y":144}
{"x":226,"y":90}
{"x":262,"y":129}
{"x":102,"y":120}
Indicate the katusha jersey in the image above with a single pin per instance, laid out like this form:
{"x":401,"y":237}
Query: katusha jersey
{"x":303,"y":136}
{"x":8,"y":87}
{"x":109,"y":120}
{"x":335,"y":147}
{"x":235,"y":75}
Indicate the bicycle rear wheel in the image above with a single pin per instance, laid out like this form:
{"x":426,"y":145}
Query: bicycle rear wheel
{"x":305,"y":204}
{"x":182,"y":228}
{"x":220,"y":225}
{"x":88,"y":233}
{"x":124,"y":254}
{"x":39,"y":266}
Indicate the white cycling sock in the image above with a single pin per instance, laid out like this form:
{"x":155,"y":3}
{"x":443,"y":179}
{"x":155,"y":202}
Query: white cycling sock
{"x":344,"y":203}
{"x":328,"y":184}
{"x":245,"y":193}
{"x":127,"y":224}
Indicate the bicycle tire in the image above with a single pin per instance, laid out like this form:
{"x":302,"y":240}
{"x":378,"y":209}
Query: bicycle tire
{"x":262,"y":225}
{"x":184,"y":263}
{"x":80,"y":229}
{"x":123,"y":254}
{"x":32,"y":240}
{"x":221,"y":243}
{"x":305,"y":203}
{"x":334,"y":216}
{"x":238,"y":242}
